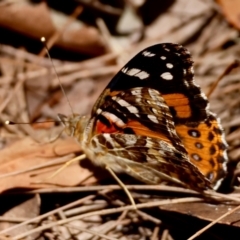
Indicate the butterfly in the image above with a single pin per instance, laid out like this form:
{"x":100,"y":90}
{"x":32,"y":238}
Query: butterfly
{"x":153,"y":122}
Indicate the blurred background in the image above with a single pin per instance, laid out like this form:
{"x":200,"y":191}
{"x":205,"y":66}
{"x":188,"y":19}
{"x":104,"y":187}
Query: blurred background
{"x":89,"y":41}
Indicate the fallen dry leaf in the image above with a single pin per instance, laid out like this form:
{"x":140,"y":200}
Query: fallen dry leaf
{"x":206,"y":211}
{"x":77,"y":37}
{"x":27,"y":209}
{"x":25,"y":159}
{"x":231,"y":10}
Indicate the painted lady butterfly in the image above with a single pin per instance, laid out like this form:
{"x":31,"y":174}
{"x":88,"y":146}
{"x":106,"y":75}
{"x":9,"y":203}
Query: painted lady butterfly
{"x":153,"y":122}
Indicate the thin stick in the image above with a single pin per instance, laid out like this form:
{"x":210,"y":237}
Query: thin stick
{"x":105,"y":33}
{"x":213,"y":223}
{"x":155,"y":233}
{"x":101,"y":7}
{"x":229,"y":68}
{"x":123,"y":186}
{"x":213,"y":195}
{"x":111,"y":187}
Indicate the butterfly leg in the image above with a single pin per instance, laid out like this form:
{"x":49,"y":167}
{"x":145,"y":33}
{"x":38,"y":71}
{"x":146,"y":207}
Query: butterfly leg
{"x":123,"y":186}
{"x":78,"y":158}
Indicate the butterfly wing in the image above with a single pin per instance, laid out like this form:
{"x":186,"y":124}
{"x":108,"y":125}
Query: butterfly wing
{"x":154,"y":95}
{"x":147,"y":159}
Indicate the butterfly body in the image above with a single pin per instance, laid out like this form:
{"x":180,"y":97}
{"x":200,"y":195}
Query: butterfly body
{"x":152,"y":122}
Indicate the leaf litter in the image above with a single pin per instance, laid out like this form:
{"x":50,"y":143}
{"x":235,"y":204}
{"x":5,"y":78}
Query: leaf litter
{"x":30,"y":92}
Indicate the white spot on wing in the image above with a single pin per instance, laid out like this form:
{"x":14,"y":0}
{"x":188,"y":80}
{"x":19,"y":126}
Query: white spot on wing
{"x":99,"y":110}
{"x":148,"y":54}
{"x":169,"y":65}
{"x":163,"y":57}
{"x":186,"y":83}
{"x":203,"y":96}
{"x":194,"y":133}
{"x":149,"y":143}
{"x":136,"y":72}
{"x":133,"y":71}
{"x":113,"y":118}
{"x":199,"y":145}
{"x":192,"y":70}
{"x":165,"y":146}
{"x":154,"y":94}
{"x":225,"y":156}
{"x":124,"y":70}
{"x":222,"y":138}
{"x":138,"y":100}
{"x":130,"y":139}
{"x":123,"y":103}
{"x":136,"y":92}
{"x":155,"y":111}
{"x":167,"y":76}
{"x":132,"y":109}
{"x":153,"y":118}
{"x":196,"y":157}
{"x":142,"y":75}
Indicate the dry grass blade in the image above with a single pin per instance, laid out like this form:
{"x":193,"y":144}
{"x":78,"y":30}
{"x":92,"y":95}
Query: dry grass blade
{"x":102,"y":212}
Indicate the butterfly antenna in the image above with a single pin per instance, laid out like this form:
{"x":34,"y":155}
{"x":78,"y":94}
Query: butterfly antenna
{"x":43,"y":40}
{"x":7,"y":122}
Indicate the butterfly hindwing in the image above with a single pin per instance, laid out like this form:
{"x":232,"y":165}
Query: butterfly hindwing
{"x":147,"y":159}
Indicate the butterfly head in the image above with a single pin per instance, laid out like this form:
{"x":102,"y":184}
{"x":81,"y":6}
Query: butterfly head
{"x":74,"y":124}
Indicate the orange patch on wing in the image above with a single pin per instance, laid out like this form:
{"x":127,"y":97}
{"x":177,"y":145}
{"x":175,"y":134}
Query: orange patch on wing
{"x":114,"y":93}
{"x":180,"y":103}
{"x":208,"y":160}
{"x":140,"y":129}
{"x":102,"y":128}
{"x":183,"y":111}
